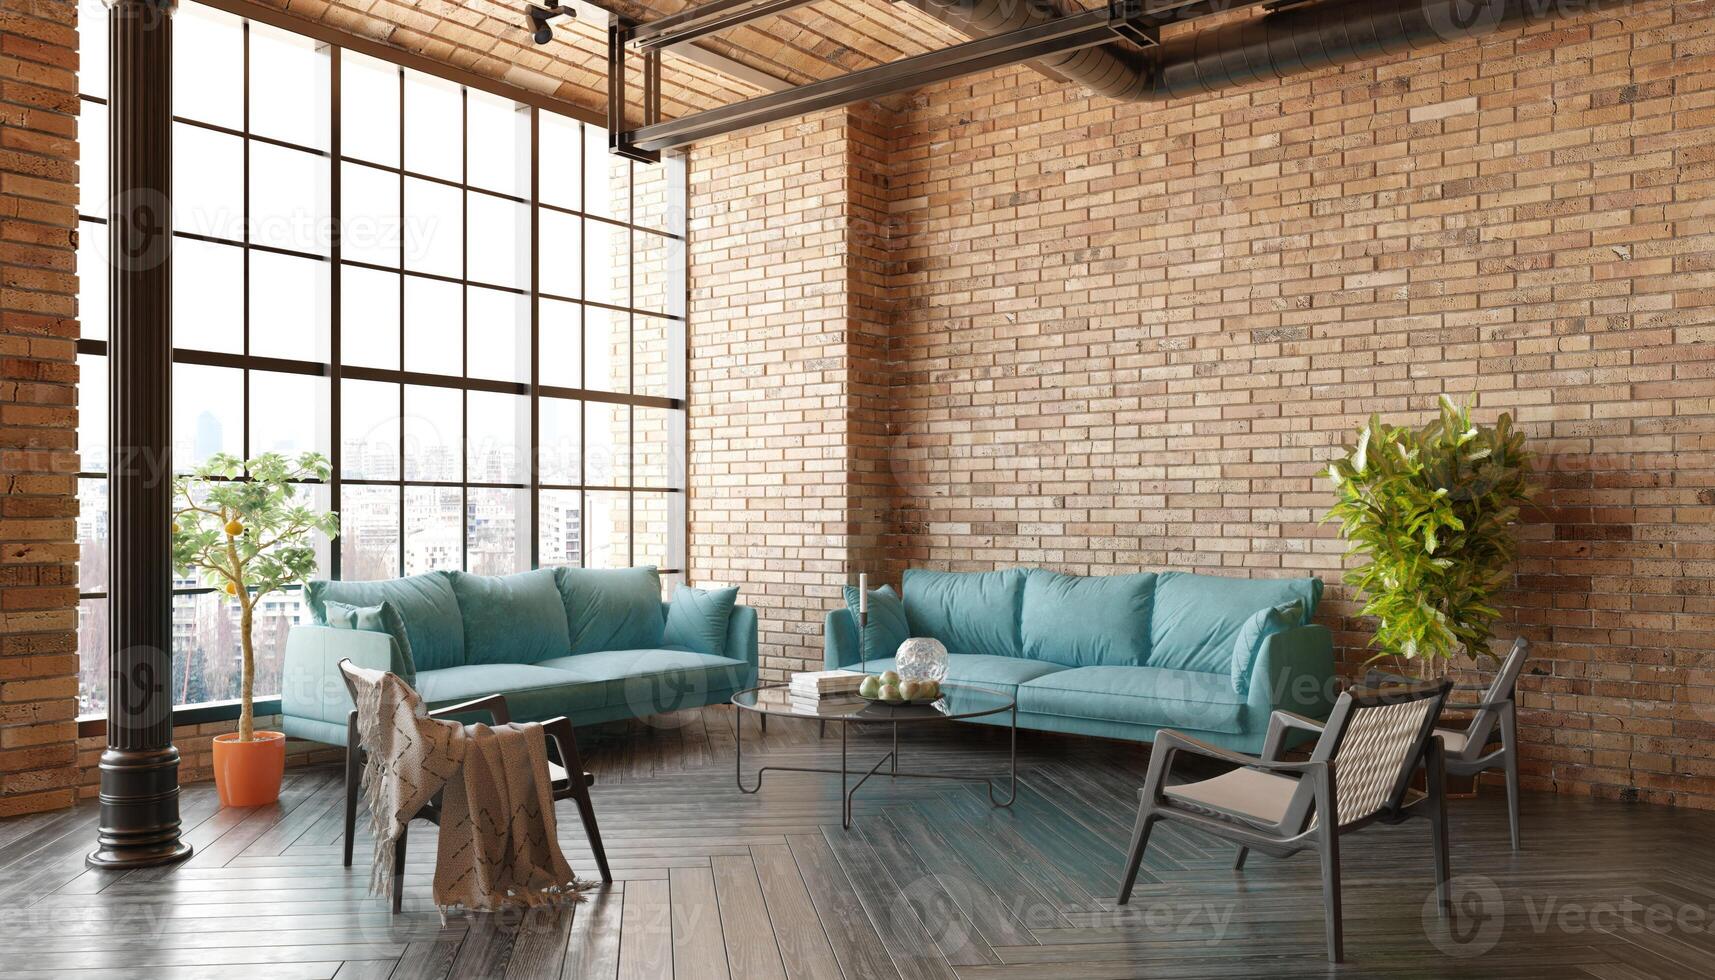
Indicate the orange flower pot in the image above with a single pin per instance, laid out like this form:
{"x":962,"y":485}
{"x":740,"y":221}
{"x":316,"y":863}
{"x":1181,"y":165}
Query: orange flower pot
{"x":248,"y":773}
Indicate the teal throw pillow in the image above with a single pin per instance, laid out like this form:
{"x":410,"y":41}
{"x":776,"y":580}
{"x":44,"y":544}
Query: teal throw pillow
{"x":697,"y":619}
{"x":1262,"y":624}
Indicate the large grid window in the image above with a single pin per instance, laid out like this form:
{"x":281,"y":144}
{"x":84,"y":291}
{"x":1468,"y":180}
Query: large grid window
{"x":466,"y":302}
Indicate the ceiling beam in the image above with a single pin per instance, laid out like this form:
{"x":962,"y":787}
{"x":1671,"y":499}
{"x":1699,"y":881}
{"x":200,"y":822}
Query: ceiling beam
{"x":1069,"y":33}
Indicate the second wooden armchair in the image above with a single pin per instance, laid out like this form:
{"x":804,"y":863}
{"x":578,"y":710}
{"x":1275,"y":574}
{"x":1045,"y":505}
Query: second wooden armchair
{"x":1358,"y":773}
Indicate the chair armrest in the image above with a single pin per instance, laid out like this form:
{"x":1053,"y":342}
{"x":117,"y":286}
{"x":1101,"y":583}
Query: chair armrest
{"x":494,"y":704}
{"x":311,"y":686}
{"x":559,"y":732}
{"x":1279,"y":724}
{"x":840,"y":640}
{"x":1168,"y":740}
{"x":1478,"y":705}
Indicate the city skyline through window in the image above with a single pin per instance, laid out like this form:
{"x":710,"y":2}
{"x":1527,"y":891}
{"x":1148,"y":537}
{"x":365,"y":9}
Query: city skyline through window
{"x":466,"y":302}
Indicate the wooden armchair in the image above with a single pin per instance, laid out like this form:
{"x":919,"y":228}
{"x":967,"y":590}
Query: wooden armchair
{"x":1472,"y":750}
{"x":1359,"y":772}
{"x":568,"y":778}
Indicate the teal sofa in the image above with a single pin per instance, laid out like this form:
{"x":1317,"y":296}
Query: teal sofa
{"x":1120,"y":656}
{"x":592,"y":645}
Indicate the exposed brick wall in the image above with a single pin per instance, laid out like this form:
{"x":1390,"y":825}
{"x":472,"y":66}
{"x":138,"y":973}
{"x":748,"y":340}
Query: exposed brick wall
{"x":784,"y":336}
{"x":38,"y":405}
{"x":1130,"y":336}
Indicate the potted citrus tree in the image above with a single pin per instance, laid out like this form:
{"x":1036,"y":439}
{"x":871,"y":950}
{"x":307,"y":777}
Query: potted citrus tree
{"x":242,"y":528}
{"x":1431,"y":511}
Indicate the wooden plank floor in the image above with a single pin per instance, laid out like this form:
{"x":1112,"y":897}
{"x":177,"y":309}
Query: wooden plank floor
{"x":931,"y":883}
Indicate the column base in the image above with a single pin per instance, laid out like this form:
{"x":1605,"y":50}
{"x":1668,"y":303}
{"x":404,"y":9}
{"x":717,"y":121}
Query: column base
{"x":139,"y":810}
{"x":121,"y":859}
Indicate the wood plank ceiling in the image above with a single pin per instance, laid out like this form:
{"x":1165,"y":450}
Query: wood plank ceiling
{"x":489,"y":38}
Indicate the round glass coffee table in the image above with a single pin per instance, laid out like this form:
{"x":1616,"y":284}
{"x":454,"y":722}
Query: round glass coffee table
{"x":957,"y":701}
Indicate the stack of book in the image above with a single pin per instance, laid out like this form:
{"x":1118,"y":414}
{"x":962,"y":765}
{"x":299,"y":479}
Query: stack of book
{"x":813,"y":689}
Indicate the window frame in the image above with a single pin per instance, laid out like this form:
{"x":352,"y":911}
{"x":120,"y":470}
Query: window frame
{"x":333,"y":262}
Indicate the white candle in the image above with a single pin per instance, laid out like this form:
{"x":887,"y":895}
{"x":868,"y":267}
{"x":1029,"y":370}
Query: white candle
{"x":863,"y":593}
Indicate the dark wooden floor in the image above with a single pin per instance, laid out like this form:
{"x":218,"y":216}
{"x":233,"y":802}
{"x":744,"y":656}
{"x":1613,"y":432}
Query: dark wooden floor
{"x":930,"y":883}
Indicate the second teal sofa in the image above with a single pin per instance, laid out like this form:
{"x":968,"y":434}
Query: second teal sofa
{"x":592,"y":645}
{"x":1120,"y":656}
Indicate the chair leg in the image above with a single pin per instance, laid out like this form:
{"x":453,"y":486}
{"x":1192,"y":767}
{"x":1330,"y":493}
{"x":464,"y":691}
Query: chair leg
{"x":1437,"y":781}
{"x":1330,"y":850}
{"x":573,"y":760}
{"x":1328,"y":844}
{"x":1239,"y":862}
{"x":399,"y":867}
{"x":1509,"y":746}
{"x":586,"y":813}
{"x":1139,"y":843}
{"x":764,"y":716}
{"x":353,"y":779}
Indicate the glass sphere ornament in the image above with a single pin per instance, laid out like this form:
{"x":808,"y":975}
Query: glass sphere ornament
{"x":921,"y":658}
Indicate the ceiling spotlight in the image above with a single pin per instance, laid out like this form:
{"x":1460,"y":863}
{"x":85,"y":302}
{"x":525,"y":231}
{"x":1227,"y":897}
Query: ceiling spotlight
{"x":539,"y":17}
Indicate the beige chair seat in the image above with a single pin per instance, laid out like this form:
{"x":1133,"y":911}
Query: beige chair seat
{"x":1453,"y":742}
{"x":1249,"y":794}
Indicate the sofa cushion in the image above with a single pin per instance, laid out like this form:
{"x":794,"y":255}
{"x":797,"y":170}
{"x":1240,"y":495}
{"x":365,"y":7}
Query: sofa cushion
{"x":970,"y":612}
{"x":425,"y":602}
{"x":886,"y":628}
{"x":379,"y":618}
{"x":612,"y":608}
{"x":1187,"y":699}
{"x":1197,"y":617}
{"x":697,"y":619}
{"x":1087,"y":621}
{"x":533,"y":693}
{"x":1263,"y":624}
{"x":652,"y":680}
{"x":1002,"y":674}
{"x":511,"y":619}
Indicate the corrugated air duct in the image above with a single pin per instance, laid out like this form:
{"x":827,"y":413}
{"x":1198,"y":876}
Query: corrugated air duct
{"x":1271,"y":46}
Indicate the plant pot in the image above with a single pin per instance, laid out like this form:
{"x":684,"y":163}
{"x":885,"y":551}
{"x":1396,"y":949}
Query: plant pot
{"x":248,"y":773}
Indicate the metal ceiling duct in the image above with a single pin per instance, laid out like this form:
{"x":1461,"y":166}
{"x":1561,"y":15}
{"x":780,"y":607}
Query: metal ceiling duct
{"x":1272,"y":46}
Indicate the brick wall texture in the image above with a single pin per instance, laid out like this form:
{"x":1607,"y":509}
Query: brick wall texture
{"x":1007,"y":323}
{"x":38,"y":405}
{"x":196,"y":752}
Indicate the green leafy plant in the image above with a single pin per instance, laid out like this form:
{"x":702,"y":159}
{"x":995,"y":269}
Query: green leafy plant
{"x":240,"y":526}
{"x":1432,"y":511}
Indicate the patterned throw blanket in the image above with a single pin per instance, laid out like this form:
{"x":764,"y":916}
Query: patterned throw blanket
{"x":497,"y":843}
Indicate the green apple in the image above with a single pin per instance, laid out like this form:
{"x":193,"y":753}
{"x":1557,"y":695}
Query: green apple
{"x":890,"y":692}
{"x":911,"y":690}
{"x":930,"y":690}
{"x":870,"y":686}
{"x":889,"y":677}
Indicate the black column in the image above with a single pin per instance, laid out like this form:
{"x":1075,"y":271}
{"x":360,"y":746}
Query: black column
{"x":140,"y":768}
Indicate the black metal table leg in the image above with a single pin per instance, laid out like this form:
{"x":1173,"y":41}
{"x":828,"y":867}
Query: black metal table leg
{"x":849,"y":789}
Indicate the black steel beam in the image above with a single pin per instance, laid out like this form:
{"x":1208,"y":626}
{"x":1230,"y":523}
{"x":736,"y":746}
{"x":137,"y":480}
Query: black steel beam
{"x":139,"y":823}
{"x":705,"y":19}
{"x":1068,"y":33}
